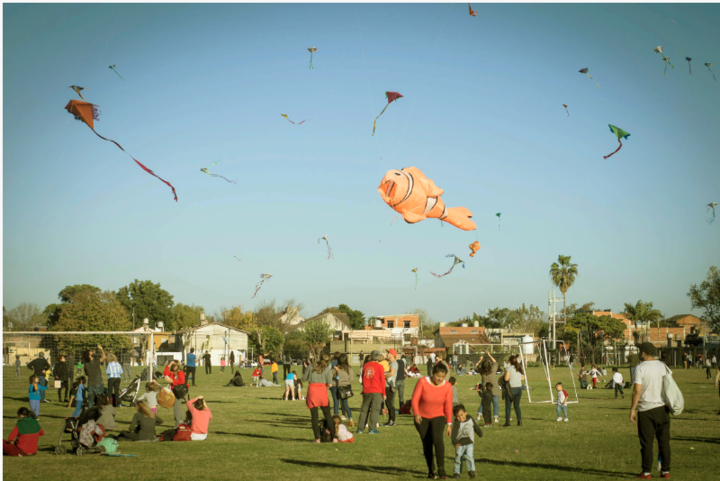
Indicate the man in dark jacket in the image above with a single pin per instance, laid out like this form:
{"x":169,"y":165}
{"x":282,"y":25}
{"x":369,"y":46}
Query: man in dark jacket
{"x":61,"y":374}
{"x":208,"y":363}
{"x":286,"y":364}
{"x":39,"y":366}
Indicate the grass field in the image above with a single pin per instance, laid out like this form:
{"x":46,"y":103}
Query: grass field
{"x":255,"y":435}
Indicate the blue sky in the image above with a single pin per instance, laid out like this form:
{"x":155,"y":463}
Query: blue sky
{"x":481,"y":116}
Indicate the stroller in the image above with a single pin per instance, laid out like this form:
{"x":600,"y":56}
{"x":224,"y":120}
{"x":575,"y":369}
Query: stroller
{"x":130,"y":393}
{"x":73,"y":426}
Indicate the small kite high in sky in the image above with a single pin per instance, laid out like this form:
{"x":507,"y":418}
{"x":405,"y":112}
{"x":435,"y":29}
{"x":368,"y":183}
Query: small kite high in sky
{"x":236,"y":257}
{"x":416,"y":277}
{"x":620,"y":134}
{"x":658,"y":49}
{"x":391,"y":96}
{"x":417,"y":198}
{"x":325,"y":238}
{"x":112,"y":67}
{"x":205,"y":169}
{"x":586,"y":71}
{"x":499,"y":219}
{"x":77,"y":89}
{"x":667,"y":61}
{"x":708,"y":65}
{"x":263,"y":278}
{"x":472,"y":12}
{"x":689,"y":65}
{"x":312,"y":50}
{"x":299,"y":123}
{"x":456,"y":261}
{"x":474,"y":247}
{"x":711,"y":205}
{"x":88,"y":113}
{"x":566,"y":110}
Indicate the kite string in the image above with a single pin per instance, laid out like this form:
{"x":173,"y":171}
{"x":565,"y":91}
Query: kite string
{"x":106,"y":44}
{"x":367,"y":77}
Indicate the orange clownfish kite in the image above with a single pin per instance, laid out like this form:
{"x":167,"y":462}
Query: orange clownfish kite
{"x":417,"y":198}
{"x":89,"y":113}
{"x":474,"y":247}
{"x":474,"y":14}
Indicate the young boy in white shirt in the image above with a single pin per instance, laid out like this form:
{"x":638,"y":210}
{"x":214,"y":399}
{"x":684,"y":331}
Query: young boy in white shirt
{"x":594,"y":372}
{"x":562,"y":397}
{"x":618,"y":382}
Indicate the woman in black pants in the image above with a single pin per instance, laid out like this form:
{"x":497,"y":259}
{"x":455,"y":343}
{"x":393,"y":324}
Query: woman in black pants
{"x":319,"y":378}
{"x":514,"y":375}
{"x":432,"y":405}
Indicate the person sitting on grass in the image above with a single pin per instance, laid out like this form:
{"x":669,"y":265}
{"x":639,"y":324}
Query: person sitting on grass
{"x":201,"y":417}
{"x":142,"y":426}
{"x":342,"y":435}
{"x":23,"y":440}
{"x":107,"y":413}
{"x":236,"y":381}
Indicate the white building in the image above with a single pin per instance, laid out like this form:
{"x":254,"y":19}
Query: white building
{"x":337,"y":322}
{"x":291,"y":316}
{"x":219,"y":340}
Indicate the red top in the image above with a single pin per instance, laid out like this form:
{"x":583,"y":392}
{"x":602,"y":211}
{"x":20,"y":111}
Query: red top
{"x":430,"y":401}
{"x":27,"y":443}
{"x":200,"y":418}
{"x":257,"y":372}
{"x":178,"y":378}
{"x":373,"y":376}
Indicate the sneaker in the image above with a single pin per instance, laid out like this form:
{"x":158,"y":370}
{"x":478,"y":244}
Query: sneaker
{"x":343,"y":418}
{"x":496,"y":420}
{"x":665,"y":475}
{"x":351,"y":424}
{"x":644,"y":476}
{"x":359,"y":431}
{"x":566,"y":419}
{"x":488,"y":425}
{"x":471,"y":474}
{"x":479,"y":418}
{"x":559,"y":419}
{"x":390,"y":424}
{"x":373,"y":431}
{"x":456,"y":476}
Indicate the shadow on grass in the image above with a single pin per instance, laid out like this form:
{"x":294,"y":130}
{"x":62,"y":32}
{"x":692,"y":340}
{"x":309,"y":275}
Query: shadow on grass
{"x":261,"y":436}
{"x":555,"y":467}
{"x":388,"y":470}
{"x":696,"y":440}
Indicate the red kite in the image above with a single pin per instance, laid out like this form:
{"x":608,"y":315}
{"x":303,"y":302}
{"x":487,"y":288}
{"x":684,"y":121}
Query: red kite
{"x":391,"y":96}
{"x":88,"y":113}
{"x":474,"y":14}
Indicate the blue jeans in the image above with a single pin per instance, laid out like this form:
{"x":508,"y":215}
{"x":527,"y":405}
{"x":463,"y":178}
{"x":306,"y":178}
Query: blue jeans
{"x":517,"y":394}
{"x":35,"y":406}
{"x":93,"y":393}
{"x":347,"y":408}
{"x":562,"y":410}
{"x":78,"y":408}
{"x":336,"y":404}
{"x":632,"y":375}
{"x":42,"y":382}
{"x":467,"y":453}
{"x":496,"y":407}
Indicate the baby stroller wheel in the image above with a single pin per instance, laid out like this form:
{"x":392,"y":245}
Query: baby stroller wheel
{"x":59,"y":450}
{"x":80,"y":451}
{"x":74,"y":444}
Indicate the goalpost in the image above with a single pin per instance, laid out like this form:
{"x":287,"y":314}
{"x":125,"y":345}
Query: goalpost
{"x":133,"y":351}
{"x":541,"y":347}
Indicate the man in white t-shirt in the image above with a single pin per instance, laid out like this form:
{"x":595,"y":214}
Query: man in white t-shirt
{"x":653,"y":417}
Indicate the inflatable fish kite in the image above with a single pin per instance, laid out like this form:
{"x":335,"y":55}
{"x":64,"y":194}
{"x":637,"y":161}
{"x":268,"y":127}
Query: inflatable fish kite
{"x":474,"y":247}
{"x":330,"y":254}
{"x":263,"y":278}
{"x":417,"y":198}
{"x":88,"y":113}
{"x":455,"y":262}
{"x":391,"y":96}
{"x":620,"y":134}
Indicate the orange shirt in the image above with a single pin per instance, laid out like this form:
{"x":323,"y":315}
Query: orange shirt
{"x":430,"y":401}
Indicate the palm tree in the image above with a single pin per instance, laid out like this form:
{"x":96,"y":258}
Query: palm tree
{"x":642,"y":312}
{"x":563,"y":276}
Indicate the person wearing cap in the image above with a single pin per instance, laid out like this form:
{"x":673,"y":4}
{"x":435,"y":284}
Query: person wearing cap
{"x":653,"y":417}
{"x":390,"y":376}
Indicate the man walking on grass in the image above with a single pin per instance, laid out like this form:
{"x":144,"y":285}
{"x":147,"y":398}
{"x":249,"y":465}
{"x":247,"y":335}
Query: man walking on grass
{"x":653,"y":417}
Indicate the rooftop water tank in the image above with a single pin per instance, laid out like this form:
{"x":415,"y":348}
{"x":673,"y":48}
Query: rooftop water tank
{"x":527,"y":348}
{"x":464,"y":324}
{"x":378,"y":323}
{"x":476,"y":324}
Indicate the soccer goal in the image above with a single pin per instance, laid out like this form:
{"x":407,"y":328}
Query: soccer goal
{"x":563,"y":375}
{"x":133,"y":351}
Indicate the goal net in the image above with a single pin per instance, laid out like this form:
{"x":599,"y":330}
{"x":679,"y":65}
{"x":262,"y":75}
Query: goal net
{"x":133,"y":351}
{"x":552,"y":372}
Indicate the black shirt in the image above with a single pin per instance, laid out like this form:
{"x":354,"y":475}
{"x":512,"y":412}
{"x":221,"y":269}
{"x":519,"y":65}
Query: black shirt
{"x":207,"y":359}
{"x":61,"y":371}
{"x":39,"y":365}
{"x":400,"y":374}
{"x":94,"y":373}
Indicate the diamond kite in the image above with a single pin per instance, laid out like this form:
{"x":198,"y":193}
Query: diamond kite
{"x":77,"y":89}
{"x":474,"y":247}
{"x":391,"y":96}
{"x":263,"y":278}
{"x":205,"y":169}
{"x":88,"y":113}
{"x":620,"y":134}
{"x":236,"y":257}
{"x":417,"y":198}
{"x":416,"y":277}
{"x":566,"y":110}
{"x":112,"y":67}
{"x":586,"y":71}
{"x":472,"y":12}
{"x":689,"y":65}
{"x":711,"y":205}
{"x":499,"y":219}
{"x":299,"y":123}
{"x":312,"y":50}
{"x":455,"y":262}
{"x":708,"y":65}
{"x":667,"y":61}
{"x":330,"y":254}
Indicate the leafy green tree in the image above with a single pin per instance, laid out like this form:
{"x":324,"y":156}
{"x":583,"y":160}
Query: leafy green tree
{"x":526,"y":319}
{"x":642,"y":313}
{"x":356,"y":318}
{"x":707,"y":296}
{"x":269,"y":341}
{"x":316,"y":334}
{"x":593,"y":330}
{"x":563,"y":274}
{"x":150,"y":301}
{"x":23,"y":318}
{"x":295,"y":344}
{"x":186,"y":316}
{"x":52,"y":311}
{"x":428,"y":324}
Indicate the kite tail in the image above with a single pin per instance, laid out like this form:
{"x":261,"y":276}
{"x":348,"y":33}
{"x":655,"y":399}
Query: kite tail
{"x":138,"y":163}
{"x":118,"y":74}
{"x":330,"y":253}
{"x":712,"y":73}
{"x":593,"y":80}
{"x":690,"y":67}
{"x":383,"y":111}
{"x":81,"y":96}
{"x":416,"y":281}
{"x":606,"y":156}
{"x":311,"y":65}
{"x":231,"y":181}
{"x":257,"y":288}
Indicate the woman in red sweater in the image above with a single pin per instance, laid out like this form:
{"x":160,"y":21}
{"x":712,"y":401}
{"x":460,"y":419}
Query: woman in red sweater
{"x":23,"y":440}
{"x":432,"y":406}
{"x":176,"y":377}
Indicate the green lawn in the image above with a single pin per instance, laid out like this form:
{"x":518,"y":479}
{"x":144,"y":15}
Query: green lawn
{"x":255,"y":435}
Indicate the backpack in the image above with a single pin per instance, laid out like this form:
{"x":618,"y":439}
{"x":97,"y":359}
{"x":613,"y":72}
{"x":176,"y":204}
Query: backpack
{"x":183,"y":433}
{"x":671,"y":393}
{"x":406,"y":408}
